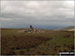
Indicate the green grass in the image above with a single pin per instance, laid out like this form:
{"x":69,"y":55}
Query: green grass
{"x":47,"y":43}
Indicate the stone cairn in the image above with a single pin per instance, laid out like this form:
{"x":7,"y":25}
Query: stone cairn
{"x":31,"y":29}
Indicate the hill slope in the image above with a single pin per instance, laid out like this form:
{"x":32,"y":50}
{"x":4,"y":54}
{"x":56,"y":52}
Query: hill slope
{"x":70,"y":28}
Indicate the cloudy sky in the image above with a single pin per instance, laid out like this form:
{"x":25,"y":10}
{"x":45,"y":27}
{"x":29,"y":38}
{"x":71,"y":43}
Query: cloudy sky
{"x":41,"y":14}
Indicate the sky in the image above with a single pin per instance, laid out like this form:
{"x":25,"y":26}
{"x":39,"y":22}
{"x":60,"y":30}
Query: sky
{"x":41,"y":14}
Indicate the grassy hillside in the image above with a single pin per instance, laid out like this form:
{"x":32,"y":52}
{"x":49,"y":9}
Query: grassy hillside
{"x":68,"y":28}
{"x":45,"y":43}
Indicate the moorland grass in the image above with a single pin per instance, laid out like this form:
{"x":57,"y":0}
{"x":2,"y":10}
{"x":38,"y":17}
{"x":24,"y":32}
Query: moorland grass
{"x":47,"y":43}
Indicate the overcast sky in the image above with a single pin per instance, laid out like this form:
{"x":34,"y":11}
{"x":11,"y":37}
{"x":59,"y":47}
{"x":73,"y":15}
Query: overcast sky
{"x":47,"y":14}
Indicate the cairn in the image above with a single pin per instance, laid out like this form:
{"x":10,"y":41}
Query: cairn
{"x":31,"y":29}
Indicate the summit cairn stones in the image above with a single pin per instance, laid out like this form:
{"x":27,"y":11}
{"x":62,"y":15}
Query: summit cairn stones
{"x":32,"y":29}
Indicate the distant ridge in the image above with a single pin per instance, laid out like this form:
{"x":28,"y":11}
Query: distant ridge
{"x":70,"y":28}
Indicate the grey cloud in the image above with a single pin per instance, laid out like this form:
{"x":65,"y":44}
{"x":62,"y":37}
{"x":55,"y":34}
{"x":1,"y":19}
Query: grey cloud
{"x":35,"y":7}
{"x":20,"y":13}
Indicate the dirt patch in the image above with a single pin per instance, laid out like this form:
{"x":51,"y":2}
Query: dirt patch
{"x":21,"y":31}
